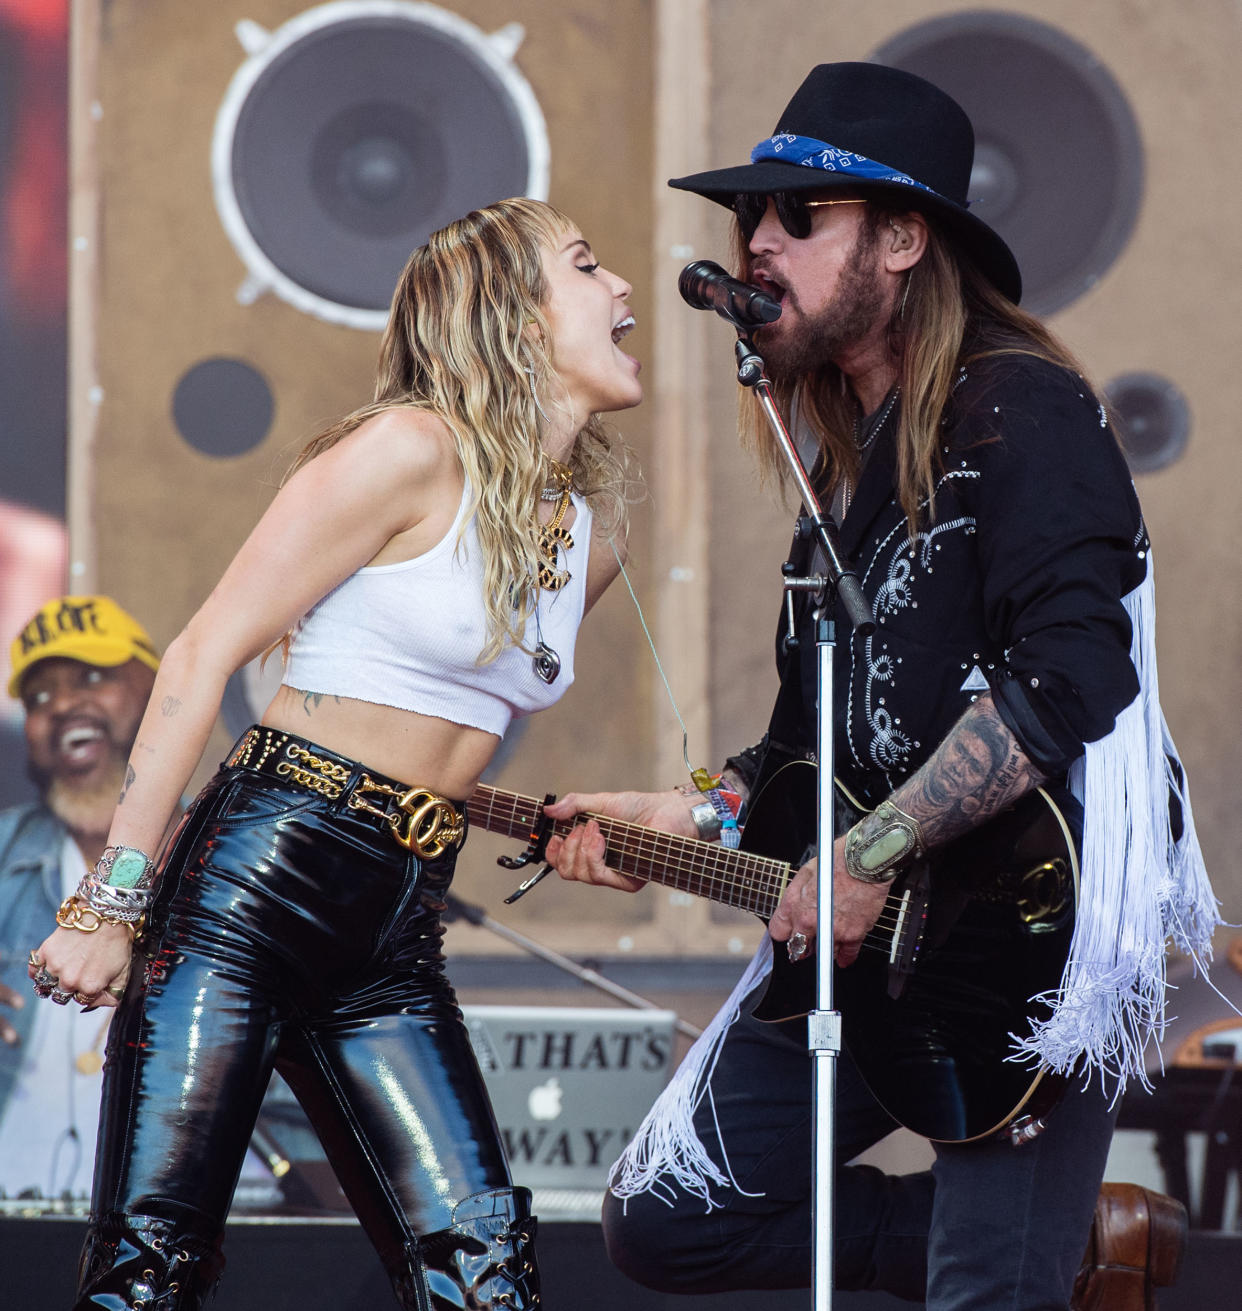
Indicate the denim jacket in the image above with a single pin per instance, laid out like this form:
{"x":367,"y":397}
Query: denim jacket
{"x":31,"y":838}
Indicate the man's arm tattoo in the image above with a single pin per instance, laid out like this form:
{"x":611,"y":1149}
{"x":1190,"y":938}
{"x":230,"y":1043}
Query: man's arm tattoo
{"x":978,"y":770}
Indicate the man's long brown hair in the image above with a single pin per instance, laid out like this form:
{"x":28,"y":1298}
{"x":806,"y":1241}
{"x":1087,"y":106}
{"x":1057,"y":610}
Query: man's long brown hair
{"x":947,"y":317}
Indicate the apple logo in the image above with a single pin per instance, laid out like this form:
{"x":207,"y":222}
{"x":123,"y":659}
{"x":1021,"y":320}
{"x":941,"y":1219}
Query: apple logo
{"x":544,"y":1102}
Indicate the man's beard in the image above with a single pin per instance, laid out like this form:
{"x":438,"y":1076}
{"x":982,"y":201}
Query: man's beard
{"x":853,"y":312}
{"x":85,"y":806}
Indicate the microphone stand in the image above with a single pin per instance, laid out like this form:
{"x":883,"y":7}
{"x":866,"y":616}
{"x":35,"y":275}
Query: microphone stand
{"x":838,"y":584}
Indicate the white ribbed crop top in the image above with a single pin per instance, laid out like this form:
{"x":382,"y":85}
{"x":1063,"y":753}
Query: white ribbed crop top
{"x":408,"y":635}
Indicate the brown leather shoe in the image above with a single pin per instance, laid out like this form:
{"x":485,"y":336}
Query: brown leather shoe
{"x":1137,"y":1241}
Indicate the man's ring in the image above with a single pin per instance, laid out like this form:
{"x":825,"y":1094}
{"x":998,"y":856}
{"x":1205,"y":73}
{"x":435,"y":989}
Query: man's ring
{"x":797,"y":946}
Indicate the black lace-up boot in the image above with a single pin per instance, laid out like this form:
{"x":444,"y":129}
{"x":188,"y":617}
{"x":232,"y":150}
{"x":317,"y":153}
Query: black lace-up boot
{"x":485,"y":1259}
{"x":148,"y":1263}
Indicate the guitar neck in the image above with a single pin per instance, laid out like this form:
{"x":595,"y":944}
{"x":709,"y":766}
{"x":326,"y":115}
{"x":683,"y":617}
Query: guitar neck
{"x":703,"y":869}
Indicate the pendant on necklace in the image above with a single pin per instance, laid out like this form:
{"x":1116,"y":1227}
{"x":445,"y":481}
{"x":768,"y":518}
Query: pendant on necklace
{"x":552,"y":536}
{"x":547,"y":664}
{"x":551,"y":577}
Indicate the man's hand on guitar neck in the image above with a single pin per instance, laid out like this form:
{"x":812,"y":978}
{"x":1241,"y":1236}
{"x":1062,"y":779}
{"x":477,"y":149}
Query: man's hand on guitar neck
{"x":579,"y":856}
{"x":856,"y":907}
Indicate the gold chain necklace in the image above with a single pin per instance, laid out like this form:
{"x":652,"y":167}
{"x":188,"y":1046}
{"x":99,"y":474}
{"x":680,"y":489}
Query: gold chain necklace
{"x":552,"y":536}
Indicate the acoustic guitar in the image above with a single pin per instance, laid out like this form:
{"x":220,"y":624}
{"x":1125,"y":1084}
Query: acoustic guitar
{"x":966,"y":939}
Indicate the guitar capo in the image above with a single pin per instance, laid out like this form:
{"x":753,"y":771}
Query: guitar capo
{"x":534,"y":850}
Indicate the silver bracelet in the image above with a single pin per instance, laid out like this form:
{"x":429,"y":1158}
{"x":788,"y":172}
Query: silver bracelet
{"x":702,"y":814}
{"x":706,"y":821}
{"x":120,"y":905}
{"x":881,"y":843}
{"x":125,"y":867}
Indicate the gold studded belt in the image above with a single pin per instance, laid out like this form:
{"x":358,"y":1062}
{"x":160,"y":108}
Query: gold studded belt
{"x":418,"y":819}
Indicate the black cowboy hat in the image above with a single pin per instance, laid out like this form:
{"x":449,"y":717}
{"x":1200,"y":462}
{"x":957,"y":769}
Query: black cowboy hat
{"x":921,"y":136}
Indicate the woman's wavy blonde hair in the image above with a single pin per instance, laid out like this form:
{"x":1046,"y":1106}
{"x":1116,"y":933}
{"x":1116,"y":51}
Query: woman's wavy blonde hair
{"x":947,"y":316}
{"x":467,"y":339}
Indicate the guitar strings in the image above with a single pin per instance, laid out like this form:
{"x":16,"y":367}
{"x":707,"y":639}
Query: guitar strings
{"x":752,"y":875}
{"x":737,"y":878}
{"x":753,"y":881}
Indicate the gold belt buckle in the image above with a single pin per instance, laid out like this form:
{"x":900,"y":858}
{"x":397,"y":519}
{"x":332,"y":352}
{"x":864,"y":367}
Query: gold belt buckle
{"x":423,"y":822}
{"x":432,"y":825}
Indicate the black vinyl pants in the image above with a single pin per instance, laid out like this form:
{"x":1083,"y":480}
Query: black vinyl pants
{"x":291,"y":932}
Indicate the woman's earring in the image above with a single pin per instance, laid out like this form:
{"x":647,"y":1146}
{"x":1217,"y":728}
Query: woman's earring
{"x":535,"y":393}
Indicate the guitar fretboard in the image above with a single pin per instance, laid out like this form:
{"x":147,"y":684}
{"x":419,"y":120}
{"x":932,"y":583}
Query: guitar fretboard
{"x":703,"y":869}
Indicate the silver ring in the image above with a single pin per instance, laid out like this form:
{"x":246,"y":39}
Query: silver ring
{"x":44,"y":978}
{"x":797,"y":946}
{"x":60,"y":996}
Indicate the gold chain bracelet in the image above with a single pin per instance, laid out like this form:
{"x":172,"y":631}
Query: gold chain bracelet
{"x":73,"y":912}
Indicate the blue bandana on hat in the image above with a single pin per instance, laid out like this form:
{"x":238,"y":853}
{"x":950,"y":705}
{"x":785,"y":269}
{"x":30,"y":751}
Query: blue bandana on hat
{"x":791,"y":149}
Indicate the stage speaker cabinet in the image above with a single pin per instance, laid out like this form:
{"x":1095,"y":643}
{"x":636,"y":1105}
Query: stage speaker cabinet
{"x":264,"y":168}
{"x":1103,"y":132}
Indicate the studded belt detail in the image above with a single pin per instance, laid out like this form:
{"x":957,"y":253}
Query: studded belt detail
{"x":419,"y":820}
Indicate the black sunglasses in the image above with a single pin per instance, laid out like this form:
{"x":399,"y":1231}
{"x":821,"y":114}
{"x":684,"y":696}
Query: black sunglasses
{"x":792,"y":208}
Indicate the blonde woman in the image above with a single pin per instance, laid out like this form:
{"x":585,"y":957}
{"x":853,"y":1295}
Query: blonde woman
{"x":427,"y":563}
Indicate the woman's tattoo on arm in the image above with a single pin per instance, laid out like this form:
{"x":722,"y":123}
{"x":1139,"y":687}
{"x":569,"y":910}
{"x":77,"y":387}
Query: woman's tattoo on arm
{"x":978,"y":770}
{"x":129,"y":778}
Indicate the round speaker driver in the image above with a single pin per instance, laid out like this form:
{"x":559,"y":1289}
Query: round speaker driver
{"x":1058,"y":157}
{"x":353,"y":132}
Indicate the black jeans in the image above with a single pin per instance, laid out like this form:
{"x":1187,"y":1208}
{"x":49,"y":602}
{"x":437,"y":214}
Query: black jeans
{"x":990,"y":1226}
{"x":291,"y":932}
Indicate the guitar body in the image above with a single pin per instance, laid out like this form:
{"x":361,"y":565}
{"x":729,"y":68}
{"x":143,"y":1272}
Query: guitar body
{"x":966,"y":940}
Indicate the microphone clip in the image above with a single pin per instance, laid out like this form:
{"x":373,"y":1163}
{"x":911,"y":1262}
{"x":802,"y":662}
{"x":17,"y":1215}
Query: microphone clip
{"x":749,"y":361}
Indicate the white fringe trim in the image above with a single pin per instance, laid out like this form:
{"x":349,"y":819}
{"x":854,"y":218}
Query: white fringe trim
{"x":665,"y":1156}
{"x":1139,"y":889}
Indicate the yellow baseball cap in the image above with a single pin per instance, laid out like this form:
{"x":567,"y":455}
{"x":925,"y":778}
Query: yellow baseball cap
{"x":92,"y":629}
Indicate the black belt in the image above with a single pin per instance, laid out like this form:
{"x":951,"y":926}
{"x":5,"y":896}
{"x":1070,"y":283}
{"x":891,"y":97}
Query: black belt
{"x":420,"y":820}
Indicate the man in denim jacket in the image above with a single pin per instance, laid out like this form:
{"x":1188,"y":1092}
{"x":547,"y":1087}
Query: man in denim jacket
{"x":83,"y":669}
